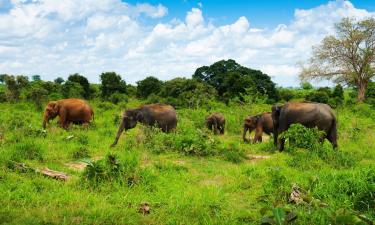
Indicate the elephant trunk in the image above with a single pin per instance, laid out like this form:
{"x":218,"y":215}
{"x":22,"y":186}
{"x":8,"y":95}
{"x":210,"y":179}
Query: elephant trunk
{"x":119,"y":132}
{"x":245,"y":128}
{"x":45,"y":120}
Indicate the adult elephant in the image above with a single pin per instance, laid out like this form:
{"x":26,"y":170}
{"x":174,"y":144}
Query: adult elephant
{"x":70,"y":110}
{"x":309,"y":115}
{"x":260,"y":123}
{"x":216,"y":123}
{"x":159,"y":115}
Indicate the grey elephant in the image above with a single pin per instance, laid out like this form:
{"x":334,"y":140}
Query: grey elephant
{"x":260,"y":123}
{"x":159,"y":115}
{"x":216,"y":123}
{"x":309,"y":115}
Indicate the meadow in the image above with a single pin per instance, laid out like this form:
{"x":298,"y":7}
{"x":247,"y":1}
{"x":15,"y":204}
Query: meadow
{"x":186,"y":177}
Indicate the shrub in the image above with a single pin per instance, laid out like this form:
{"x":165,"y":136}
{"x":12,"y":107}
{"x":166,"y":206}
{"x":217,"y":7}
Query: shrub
{"x":117,"y":97}
{"x":113,"y":168}
{"x":81,"y":152}
{"x":318,"y":96}
{"x":105,"y":106}
{"x":233,"y":153}
{"x":300,"y":136}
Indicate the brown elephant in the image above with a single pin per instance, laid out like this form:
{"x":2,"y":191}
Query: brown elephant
{"x":216,"y":123}
{"x":70,"y":110}
{"x":261,"y":123}
{"x":159,"y":115}
{"x":309,"y":115}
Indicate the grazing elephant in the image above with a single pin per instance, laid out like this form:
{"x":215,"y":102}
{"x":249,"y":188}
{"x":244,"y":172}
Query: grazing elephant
{"x":216,"y":123}
{"x":261,"y":123}
{"x":309,"y":115}
{"x":160,"y":115}
{"x":70,"y":110}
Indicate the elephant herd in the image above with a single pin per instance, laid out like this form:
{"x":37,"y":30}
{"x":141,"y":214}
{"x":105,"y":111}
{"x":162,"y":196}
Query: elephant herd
{"x":164,"y":116}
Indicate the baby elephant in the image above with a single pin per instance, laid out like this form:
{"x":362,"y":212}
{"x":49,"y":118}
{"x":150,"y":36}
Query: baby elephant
{"x":216,"y":123}
{"x":261,"y":123}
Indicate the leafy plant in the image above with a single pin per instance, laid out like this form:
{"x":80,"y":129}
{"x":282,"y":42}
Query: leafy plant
{"x":278,"y":216}
{"x":300,"y":136}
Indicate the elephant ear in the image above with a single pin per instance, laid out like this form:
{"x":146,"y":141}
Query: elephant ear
{"x":139,"y":117}
{"x":56,"y":107}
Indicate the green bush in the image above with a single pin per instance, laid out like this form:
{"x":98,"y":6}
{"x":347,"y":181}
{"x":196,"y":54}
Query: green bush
{"x":113,"y":168}
{"x":300,"y":136}
{"x":117,"y":97}
{"x":318,"y":96}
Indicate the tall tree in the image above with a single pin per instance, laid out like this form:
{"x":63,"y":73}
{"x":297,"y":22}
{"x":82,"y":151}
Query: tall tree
{"x":81,"y":80}
{"x":111,"y":83}
{"x":59,"y":80}
{"x":36,"y":77}
{"x":14,"y":86}
{"x":346,"y":57}
{"x":230,"y":79}
{"x":147,"y":86}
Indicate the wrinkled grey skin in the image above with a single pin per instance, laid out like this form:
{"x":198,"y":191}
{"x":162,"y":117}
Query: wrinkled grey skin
{"x":159,"y":115}
{"x":216,"y":123}
{"x":309,"y":115}
{"x":260,"y":123}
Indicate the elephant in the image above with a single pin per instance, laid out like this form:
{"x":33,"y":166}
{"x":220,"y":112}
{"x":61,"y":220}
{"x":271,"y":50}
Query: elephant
{"x":216,"y":123}
{"x":261,"y":123}
{"x":309,"y":115}
{"x":160,"y":115}
{"x":70,"y":110}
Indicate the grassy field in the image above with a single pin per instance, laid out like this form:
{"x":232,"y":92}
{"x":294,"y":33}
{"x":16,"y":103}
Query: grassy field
{"x":187,"y":177}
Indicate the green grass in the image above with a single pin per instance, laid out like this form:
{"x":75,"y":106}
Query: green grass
{"x":187,"y":177}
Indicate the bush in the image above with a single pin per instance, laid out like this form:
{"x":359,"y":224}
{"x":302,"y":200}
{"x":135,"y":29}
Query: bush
{"x":113,"y":168}
{"x":300,"y":136}
{"x":117,"y":97}
{"x":318,"y":96}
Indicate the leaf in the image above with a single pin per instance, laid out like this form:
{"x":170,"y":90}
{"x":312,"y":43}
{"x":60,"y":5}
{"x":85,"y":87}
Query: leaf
{"x":279,"y":215}
{"x":267,"y":221}
{"x":348,"y":219}
{"x":290,"y":217}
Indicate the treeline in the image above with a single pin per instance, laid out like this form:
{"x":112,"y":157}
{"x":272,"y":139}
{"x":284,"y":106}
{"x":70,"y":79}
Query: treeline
{"x":225,"y":80}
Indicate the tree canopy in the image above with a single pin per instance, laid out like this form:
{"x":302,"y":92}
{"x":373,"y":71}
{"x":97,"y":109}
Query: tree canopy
{"x":346,"y":57}
{"x":81,"y":80}
{"x":230,"y":79}
{"x":111,"y":83}
{"x":147,"y":86}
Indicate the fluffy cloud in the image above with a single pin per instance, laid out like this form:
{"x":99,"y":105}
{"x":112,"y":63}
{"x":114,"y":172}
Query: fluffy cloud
{"x":57,"y":38}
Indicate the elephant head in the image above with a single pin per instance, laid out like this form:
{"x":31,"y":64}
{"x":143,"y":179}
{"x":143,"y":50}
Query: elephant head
{"x":50,"y":112}
{"x":275,"y":118}
{"x":250,"y":124}
{"x":129,"y":121}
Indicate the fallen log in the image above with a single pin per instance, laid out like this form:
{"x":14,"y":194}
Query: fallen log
{"x":46,"y":172}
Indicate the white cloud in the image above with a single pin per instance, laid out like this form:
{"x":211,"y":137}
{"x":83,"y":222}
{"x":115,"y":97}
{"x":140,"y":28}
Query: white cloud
{"x":152,"y":11}
{"x":57,"y":38}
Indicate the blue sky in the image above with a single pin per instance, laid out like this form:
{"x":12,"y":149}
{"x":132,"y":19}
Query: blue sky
{"x":260,"y":13}
{"x":164,"y":38}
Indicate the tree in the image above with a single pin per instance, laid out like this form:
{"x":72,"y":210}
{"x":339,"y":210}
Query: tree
{"x":221,"y":74}
{"x":111,"y":83}
{"x":59,"y":80}
{"x":306,"y":86}
{"x":2,"y":78}
{"x":348,"y":57}
{"x":147,"y":86}
{"x":36,"y":78}
{"x":187,"y":92}
{"x":37,"y":94}
{"x":72,"y":90}
{"x":14,"y":86}
{"x":81,"y":80}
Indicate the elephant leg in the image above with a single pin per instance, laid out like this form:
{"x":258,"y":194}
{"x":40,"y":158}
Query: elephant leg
{"x":281,"y":144}
{"x":221,"y":129}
